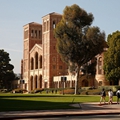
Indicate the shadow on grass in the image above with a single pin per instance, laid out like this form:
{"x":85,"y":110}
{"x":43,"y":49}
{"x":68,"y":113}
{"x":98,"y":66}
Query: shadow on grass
{"x":21,"y":102}
{"x":21,"y":105}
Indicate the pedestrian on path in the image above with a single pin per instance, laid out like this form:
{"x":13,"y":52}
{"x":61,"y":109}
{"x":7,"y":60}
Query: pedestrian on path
{"x":118,"y":95}
{"x":103,"y":96}
{"x":110,"y":95}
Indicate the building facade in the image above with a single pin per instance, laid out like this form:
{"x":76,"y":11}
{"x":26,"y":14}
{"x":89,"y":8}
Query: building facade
{"x":42,"y":66}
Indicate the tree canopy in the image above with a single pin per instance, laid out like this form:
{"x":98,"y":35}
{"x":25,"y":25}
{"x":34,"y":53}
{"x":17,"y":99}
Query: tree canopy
{"x":77,"y":41}
{"x":6,"y":70}
{"x":112,"y":58}
{"x":90,"y":67}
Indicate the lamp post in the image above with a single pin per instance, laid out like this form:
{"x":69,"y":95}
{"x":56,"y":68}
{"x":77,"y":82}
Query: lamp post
{"x":63,"y":85}
{"x":63,"y":80}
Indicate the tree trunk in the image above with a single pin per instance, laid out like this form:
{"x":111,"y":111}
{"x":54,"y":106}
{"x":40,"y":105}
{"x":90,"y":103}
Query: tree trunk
{"x":119,"y":82}
{"x":77,"y":80}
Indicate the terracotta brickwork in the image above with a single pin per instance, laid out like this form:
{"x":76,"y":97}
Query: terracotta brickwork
{"x":32,"y":36}
{"x":42,"y":66}
{"x":41,"y":62}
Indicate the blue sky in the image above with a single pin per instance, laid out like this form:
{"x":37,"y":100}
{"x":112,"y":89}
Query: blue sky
{"x":14,"y":14}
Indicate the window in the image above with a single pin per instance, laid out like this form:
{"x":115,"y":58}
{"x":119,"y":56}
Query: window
{"x":32,"y":33}
{"x":54,"y":67}
{"x":36,"y":60}
{"x":54,"y":59}
{"x":40,"y":61}
{"x":32,"y":63}
{"x":100,"y":65}
{"x":35,"y":33}
{"x":54,"y":25}
{"x":60,"y":67}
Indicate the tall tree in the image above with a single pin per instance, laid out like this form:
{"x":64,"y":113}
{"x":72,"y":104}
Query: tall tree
{"x":112,"y":58}
{"x":77,"y":42}
{"x":90,"y":67}
{"x":6,"y":70}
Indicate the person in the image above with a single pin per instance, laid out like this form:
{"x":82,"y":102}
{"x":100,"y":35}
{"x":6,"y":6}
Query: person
{"x":103,"y":96}
{"x":110,"y":95}
{"x":118,"y":95}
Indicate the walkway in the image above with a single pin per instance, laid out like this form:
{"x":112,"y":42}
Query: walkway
{"x":79,"y":109}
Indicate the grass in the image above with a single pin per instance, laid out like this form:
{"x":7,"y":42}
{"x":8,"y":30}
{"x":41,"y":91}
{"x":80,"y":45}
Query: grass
{"x":16,"y":102}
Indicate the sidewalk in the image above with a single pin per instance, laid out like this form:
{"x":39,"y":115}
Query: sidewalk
{"x":79,"y":109}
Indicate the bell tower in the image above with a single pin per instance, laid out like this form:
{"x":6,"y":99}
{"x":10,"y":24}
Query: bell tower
{"x":32,"y":36}
{"x":52,"y":64}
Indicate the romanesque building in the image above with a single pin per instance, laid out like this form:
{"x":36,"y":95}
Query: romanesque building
{"x":41,"y":66}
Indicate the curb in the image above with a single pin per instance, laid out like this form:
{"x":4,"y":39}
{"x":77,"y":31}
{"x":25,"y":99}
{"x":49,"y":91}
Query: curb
{"x":58,"y":115}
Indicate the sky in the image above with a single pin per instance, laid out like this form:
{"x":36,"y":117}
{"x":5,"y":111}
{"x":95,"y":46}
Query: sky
{"x":14,"y":14}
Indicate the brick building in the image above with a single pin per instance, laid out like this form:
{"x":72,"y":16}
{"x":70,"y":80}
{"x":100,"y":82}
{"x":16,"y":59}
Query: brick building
{"x":41,"y":66}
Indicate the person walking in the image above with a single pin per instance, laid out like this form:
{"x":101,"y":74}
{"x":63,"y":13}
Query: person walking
{"x":103,"y":96}
{"x":110,"y":95}
{"x":118,"y":95}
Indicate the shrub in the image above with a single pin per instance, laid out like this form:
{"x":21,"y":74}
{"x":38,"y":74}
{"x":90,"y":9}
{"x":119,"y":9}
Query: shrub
{"x":3,"y":90}
{"x":67,"y":91}
{"x":90,"y":92}
{"x":38,"y":90}
{"x":19,"y":90}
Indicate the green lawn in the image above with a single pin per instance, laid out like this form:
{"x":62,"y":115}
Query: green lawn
{"x":15,"y":102}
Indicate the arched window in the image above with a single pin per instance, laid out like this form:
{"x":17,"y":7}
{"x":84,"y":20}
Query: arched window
{"x":32,"y":33}
{"x":100,"y":65}
{"x":40,"y":61}
{"x":32,"y":63}
{"x":35,"y":33}
{"x":54,"y":59}
{"x":47,"y":25}
{"x":36,"y":60}
{"x":54,"y":24}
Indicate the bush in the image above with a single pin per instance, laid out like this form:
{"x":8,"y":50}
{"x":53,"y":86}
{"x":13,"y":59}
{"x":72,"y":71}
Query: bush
{"x":113,"y":88}
{"x":67,"y":91}
{"x":19,"y":91}
{"x":90,"y":92}
{"x":3,"y":90}
{"x":38,"y":90}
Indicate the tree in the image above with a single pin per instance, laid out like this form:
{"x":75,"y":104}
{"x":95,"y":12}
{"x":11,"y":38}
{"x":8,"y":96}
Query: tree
{"x":6,"y":70}
{"x":90,"y":67}
{"x":77,"y":41}
{"x":112,"y":58}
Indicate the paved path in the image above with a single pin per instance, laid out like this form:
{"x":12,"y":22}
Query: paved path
{"x":79,"y":109}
